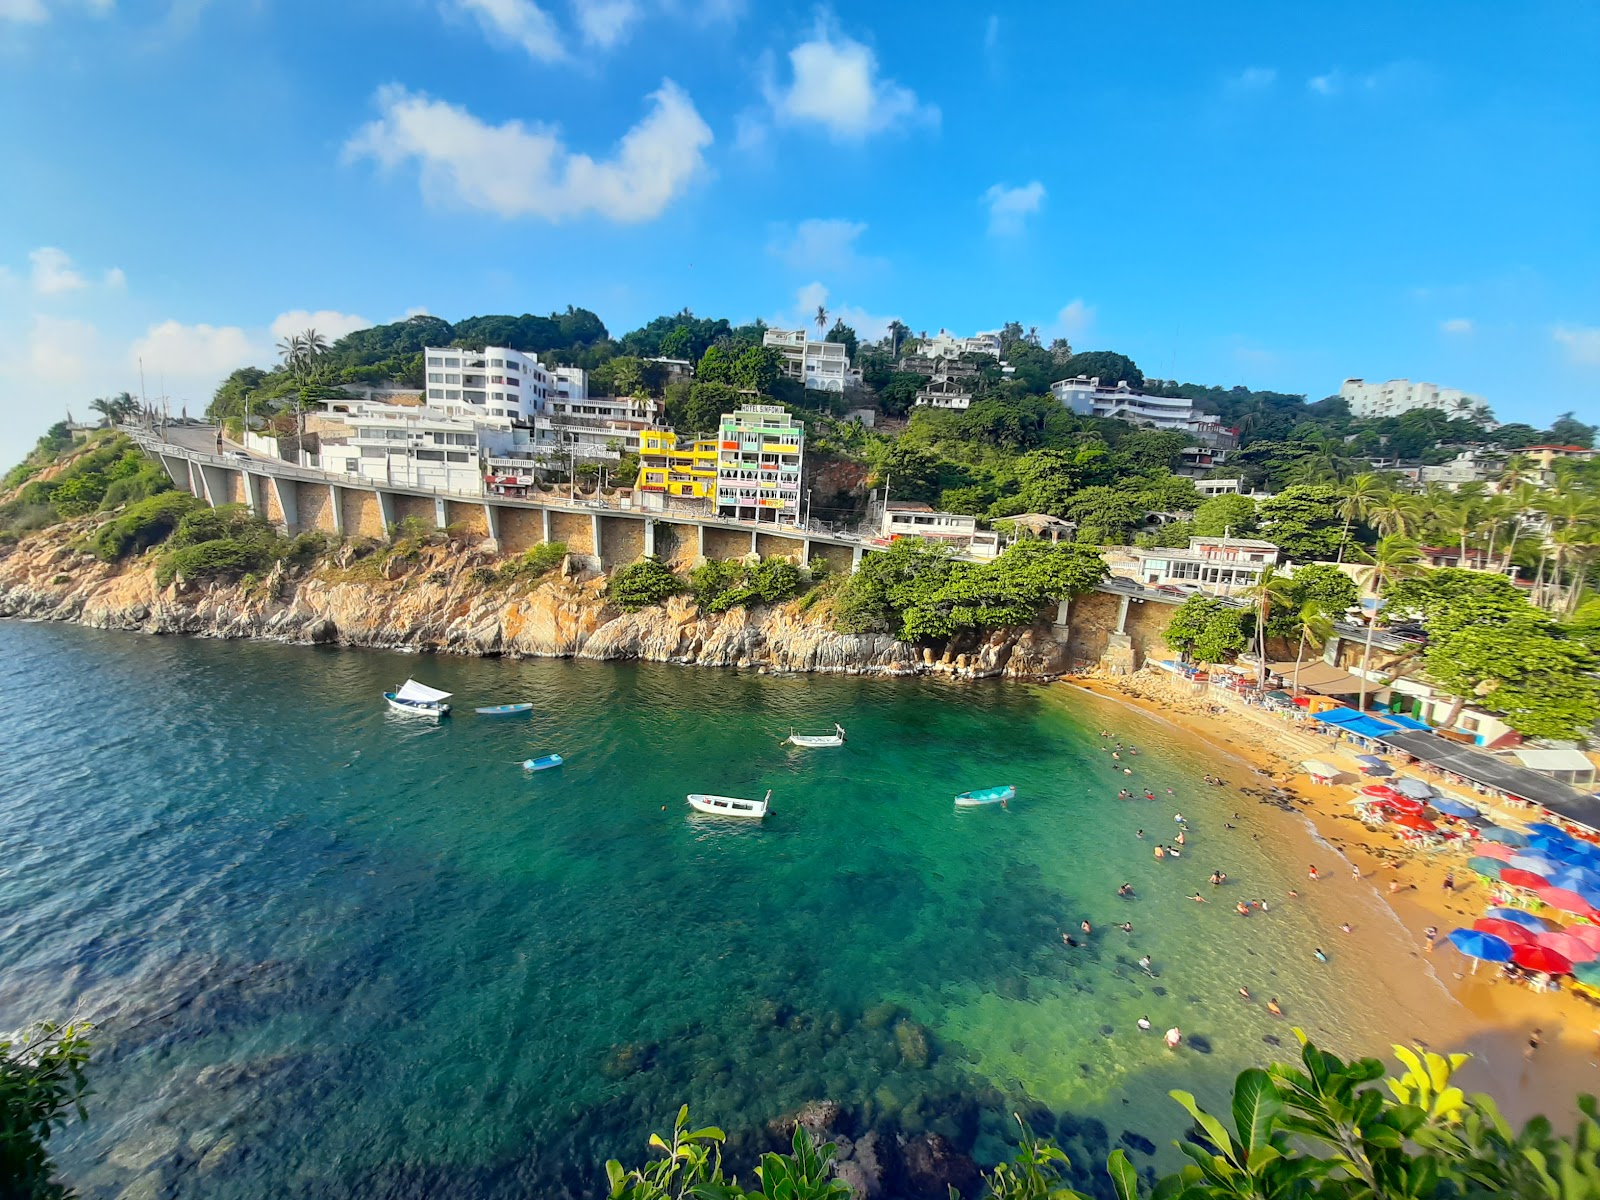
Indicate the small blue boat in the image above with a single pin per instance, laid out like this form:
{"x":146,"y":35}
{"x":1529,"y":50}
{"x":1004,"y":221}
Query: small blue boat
{"x":543,"y":763}
{"x":503,"y":710}
{"x":993,"y":795}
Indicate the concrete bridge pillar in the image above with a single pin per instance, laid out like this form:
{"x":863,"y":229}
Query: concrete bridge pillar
{"x":855,"y":560}
{"x":177,"y":469}
{"x":649,"y":538}
{"x":491,"y":519}
{"x":440,"y":517}
{"x":805,"y":551}
{"x":1122,"y":614}
{"x":545,"y":512}
{"x":250,"y":498}
{"x":1064,"y":613}
{"x":214,"y":480}
{"x":336,"y":505}
{"x":386,"y":507}
{"x":594,"y":531}
{"x":288,"y":502}
{"x":753,"y":535}
{"x":700,"y":532}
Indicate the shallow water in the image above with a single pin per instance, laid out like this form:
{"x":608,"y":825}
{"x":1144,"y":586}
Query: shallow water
{"x":385,"y":960}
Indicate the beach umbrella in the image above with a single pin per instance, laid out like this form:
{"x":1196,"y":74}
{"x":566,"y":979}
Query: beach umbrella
{"x":1414,"y":788}
{"x":1512,"y":877}
{"x":1508,"y":931}
{"x":1589,"y":935}
{"x":1499,"y":833}
{"x":1539,"y":866}
{"x":1567,"y":946}
{"x":1562,"y":898}
{"x":1381,"y":790}
{"x":1541,"y":958}
{"x":1544,"y":827}
{"x":1402,"y":804}
{"x":1414,"y":821}
{"x":1480,"y":946}
{"x":1496,"y":851}
{"x":1526,"y":919}
{"x":1556,"y":847}
{"x":1587,"y":972}
{"x":1576,"y":879}
{"x":1452,"y":808}
{"x":1486,"y":866}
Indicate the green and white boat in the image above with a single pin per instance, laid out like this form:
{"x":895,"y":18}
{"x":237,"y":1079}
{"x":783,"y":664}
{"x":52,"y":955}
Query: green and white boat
{"x":993,"y":795}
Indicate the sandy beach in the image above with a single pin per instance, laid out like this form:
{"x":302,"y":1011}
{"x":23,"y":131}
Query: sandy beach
{"x":1491,"y":1019}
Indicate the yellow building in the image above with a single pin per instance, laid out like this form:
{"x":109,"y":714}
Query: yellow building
{"x":666,"y":467}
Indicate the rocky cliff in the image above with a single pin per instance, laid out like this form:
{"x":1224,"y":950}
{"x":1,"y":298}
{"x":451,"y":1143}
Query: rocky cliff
{"x":449,"y":598}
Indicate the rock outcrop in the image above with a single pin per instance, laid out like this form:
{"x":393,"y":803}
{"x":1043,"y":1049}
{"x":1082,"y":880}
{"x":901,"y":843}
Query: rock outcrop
{"x":452,"y":599}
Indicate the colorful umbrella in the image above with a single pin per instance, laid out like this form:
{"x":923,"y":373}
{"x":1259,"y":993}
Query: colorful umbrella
{"x":1483,"y":946}
{"x":1541,"y":958}
{"x":1414,"y":788}
{"x":1539,"y":866}
{"x":1522,"y":879}
{"x":1495,"y":851}
{"x":1561,"y":898}
{"x":1567,"y":946}
{"x":1517,"y":917}
{"x":1589,"y":935}
{"x":1555,"y":847}
{"x":1508,"y":931}
{"x":1498,"y":833}
{"x":1587,"y":972}
{"x":1486,"y":866}
{"x":1414,"y":821}
{"x":1577,"y":879}
{"x":1452,"y":808}
{"x":1545,"y":828}
{"x":1382,"y":790}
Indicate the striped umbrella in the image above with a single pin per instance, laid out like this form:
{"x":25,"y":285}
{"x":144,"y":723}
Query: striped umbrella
{"x":1485,"y":866}
{"x":1541,"y":958}
{"x":1526,"y":919}
{"x":1495,"y":851}
{"x":1509,"y":931}
{"x":1512,"y":877}
{"x":1498,"y":833}
{"x":1568,"y":946}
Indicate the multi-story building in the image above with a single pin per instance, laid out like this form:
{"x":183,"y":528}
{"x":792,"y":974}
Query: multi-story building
{"x":416,"y":447}
{"x":947,"y":345}
{"x":497,"y":382}
{"x":1544,"y":459}
{"x":594,"y":428}
{"x":760,"y":452}
{"x":943,"y":393}
{"x":1088,"y":398}
{"x":669,"y":469}
{"x":1222,"y":564}
{"x":1396,"y":396}
{"x":821,"y":365}
{"x":569,"y":383}
{"x":1470,"y":466}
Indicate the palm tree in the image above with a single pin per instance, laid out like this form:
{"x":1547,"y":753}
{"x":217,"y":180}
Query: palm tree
{"x":1361,"y":494}
{"x":291,"y":350}
{"x":1393,"y":558}
{"x":1495,"y":512}
{"x":1525,"y":498}
{"x":313,"y":345}
{"x":107,"y":410}
{"x":1516,"y":471}
{"x":821,"y":318}
{"x":1273,"y":590}
{"x":1459,"y":518}
{"x":1397,"y":513}
{"x":1316,"y":627}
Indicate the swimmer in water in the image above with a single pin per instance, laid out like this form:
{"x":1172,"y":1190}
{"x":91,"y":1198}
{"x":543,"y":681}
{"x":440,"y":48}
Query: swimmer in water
{"x":1245,"y":992}
{"x":1181,"y":838}
{"x":1070,"y":940}
{"x":1143,"y":1023}
{"x":1272,"y":1007}
{"x":1161,"y":851}
{"x":1319,"y":955}
{"x":1126,"y":927}
{"x":1242,"y":909}
{"x":1084,"y":925}
{"x":1346,"y":927}
{"x":1144,"y":965}
{"x":1125,"y":890}
{"x":1199,"y":899}
{"x":1139,"y":834}
{"x":1172,"y":850}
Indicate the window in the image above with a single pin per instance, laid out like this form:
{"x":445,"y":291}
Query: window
{"x":497,"y":363}
{"x":435,"y":393}
{"x":452,"y":394}
{"x":352,"y":466}
{"x":456,"y":456}
{"x":512,"y":381}
{"x":435,"y":377}
{"x":374,"y":452}
{"x":452,"y":362}
{"x":435,"y":361}
{"x":452,"y":379}
{"x":431,"y":455}
{"x":1470,"y":724}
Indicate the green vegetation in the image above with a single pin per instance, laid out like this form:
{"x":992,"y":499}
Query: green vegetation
{"x":719,"y":585}
{"x":1209,"y":629}
{"x":143,"y":524}
{"x":227,"y":543}
{"x":1322,"y":1128}
{"x":534,"y":565}
{"x":42,"y":1084}
{"x":104,"y":473}
{"x":642,"y":584}
{"x":917,"y":591}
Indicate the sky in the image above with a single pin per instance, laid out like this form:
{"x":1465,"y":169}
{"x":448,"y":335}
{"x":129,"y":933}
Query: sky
{"x":1272,"y":195}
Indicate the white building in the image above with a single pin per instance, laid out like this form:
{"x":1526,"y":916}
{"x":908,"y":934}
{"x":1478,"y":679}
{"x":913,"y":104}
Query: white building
{"x":1225,"y":565}
{"x":943,"y":393}
{"x":912,"y":518}
{"x":594,"y":428}
{"x":1088,"y":398}
{"x":1397,"y":396}
{"x":569,"y":383}
{"x":1470,"y":466}
{"x":496,"y":383}
{"x":821,"y":365}
{"x":947,"y":345}
{"x":417,"y":447}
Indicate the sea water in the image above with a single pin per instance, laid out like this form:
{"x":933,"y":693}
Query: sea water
{"x":381,"y":959}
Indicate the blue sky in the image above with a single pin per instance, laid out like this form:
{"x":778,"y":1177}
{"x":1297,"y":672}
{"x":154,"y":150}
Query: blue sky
{"x":1268,"y":194}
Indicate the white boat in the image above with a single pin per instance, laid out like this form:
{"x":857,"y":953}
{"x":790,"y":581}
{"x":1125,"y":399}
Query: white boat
{"x":729,"y":806}
{"x":992,"y":795}
{"x":836,"y":738}
{"x":504,"y":710}
{"x":418,"y":699}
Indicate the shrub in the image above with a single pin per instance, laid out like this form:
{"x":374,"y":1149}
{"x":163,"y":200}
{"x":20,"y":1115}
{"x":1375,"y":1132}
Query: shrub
{"x":200,"y":525}
{"x":642,"y":584}
{"x":723,"y":584}
{"x":143,"y":525}
{"x":149,"y":480}
{"x":220,"y":559}
{"x":535,"y":564}
{"x":712,"y":579}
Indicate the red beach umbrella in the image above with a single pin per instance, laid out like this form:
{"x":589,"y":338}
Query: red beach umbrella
{"x":1421,"y":824}
{"x":1523,"y":879}
{"x":1541,"y":958}
{"x":1496,"y":851}
{"x":1404,"y":804}
{"x":1510,"y":931}
{"x":1562,"y":898}
{"x":1567,"y":946}
{"x":1381,"y":790}
{"x":1589,"y":935}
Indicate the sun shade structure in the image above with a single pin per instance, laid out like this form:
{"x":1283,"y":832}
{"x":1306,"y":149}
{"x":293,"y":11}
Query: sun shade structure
{"x":1508,"y":931}
{"x":1486,"y":866}
{"x":1414,"y":788}
{"x":1517,"y":917}
{"x":1541,"y":958}
{"x":1452,"y":808}
{"x":1562,"y":898}
{"x":1571,"y":948}
{"x":1318,"y":677}
{"x":1318,"y":769}
{"x":1589,"y":935}
{"x":1506,"y":837}
{"x":1501,"y":854}
{"x":1413,"y":821}
{"x":1512,"y":877}
{"x":1489,"y":771}
{"x":1475,"y":944}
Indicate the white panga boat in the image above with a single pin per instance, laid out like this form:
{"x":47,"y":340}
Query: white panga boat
{"x":836,"y":738}
{"x":503,"y":710}
{"x":729,"y":806}
{"x":993,"y":795}
{"x":418,"y":699}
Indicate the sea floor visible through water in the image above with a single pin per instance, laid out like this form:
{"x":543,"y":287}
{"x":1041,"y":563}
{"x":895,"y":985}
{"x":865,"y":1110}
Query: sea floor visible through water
{"x":339,"y":950}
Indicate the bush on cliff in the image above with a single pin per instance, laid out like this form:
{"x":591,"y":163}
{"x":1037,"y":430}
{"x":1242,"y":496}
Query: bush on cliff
{"x":1208,"y":630}
{"x":642,"y":584}
{"x":721,"y":584}
{"x":534,"y":565}
{"x":144,"y":524}
{"x":226,"y":558}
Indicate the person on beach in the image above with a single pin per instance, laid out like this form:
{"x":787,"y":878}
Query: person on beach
{"x":1143,"y":1023}
{"x":1319,"y":955}
{"x":1355,"y":871}
{"x":1449,"y":881}
{"x":1262,"y":905}
{"x":1346,"y":928}
{"x":1272,"y":1007}
{"x":1535,"y":1040}
{"x":1430,"y":935}
{"x":1312,"y":873}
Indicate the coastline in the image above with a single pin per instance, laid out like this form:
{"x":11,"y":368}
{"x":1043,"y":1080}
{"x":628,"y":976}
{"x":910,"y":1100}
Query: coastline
{"x":1492,"y":1020}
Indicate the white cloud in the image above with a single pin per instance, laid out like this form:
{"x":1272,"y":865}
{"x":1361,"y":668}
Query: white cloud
{"x":49,"y":365}
{"x":818,"y":245}
{"x":415,"y":311}
{"x":523,"y":22}
{"x":53,"y":272}
{"x":1074,"y":320}
{"x":62,"y":348}
{"x":36,"y":12}
{"x":749,"y":133}
{"x":1010,"y":207}
{"x":191,"y":351}
{"x":1326,"y":85}
{"x":115,"y":279}
{"x":836,"y":84}
{"x":603,"y":23}
{"x":1581,"y":342}
{"x":516,"y":170}
{"x":1457,"y":326}
{"x":1253,"y":79}
{"x":330,"y":324}
{"x":1340,"y":82}
{"x":868,"y":326}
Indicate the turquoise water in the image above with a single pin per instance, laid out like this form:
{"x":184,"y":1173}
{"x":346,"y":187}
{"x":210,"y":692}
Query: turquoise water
{"x":386,"y":961}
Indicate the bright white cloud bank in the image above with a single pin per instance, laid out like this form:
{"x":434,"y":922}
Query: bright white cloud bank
{"x":521,"y":22}
{"x":517,"y":170}
{"x":330,"y":324}
{"x":835,"y":83}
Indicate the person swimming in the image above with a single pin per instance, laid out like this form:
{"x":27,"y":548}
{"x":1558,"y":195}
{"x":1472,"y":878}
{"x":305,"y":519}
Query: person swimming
{"x":1272,"y":1007}
{"x":1245,"y":992}
{"x":1161,"y":851}
{"x":1199,"y":899}
{"x":1143,"y":1023}
{"x":1144,"y":965}
{"x":1084,"y":925}
{"x":1181,"y":839}
{"x":1319,"y":955}
{"x":1242,"y":909}
{"x":1126,"y":927}
{"x":1071,"y":941}
{"x":1125,"y":890}
{"x":1139,"y":834}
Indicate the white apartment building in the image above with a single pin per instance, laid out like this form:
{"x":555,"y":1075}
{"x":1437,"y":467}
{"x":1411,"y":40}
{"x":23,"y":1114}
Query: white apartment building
{"x":417,"y":447}
{"x":943,"y":393}
{"x":569,"y":383}
{"x":593,"y":428}
{"x":1222,"y":565}
{"x":496,"y":383}
{"x":1088,"y":398}
{"x":824,"y":366}
{"x":760,"y":450}
{"x":912,"y":518}
{"x":945,"y":344}
{"x":1396,"y":396}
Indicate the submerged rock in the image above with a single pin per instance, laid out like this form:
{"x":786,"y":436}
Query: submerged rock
{"x":629,"y":1059}
{"x":1137,"y":1141}
{"x":913,"y":1042}
{"x":933,"y":1167}
{"x":145,"y":1150}
{"x":220,"y":1155}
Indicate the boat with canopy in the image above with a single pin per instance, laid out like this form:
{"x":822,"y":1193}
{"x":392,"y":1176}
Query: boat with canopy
{"x":993,"y":795}
{"x":729,"y":806}
{"x":836,"y":738}
{"x":419,"y":699}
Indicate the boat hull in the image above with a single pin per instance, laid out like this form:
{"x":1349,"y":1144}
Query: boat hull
{"x":728,"y":806}
{"x":417,"y":708}
{"x":800,"y":739}
{"x":543,"y":763}
{"x":984,"y":796}
{"x":503,"y":710}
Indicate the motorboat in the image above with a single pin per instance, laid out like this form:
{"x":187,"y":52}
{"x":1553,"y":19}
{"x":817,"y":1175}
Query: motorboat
{"x":836,"y":738}
{"x":993,"y":795}
{"x":729,"y":806}
{"x":543,"y":763}
{"x":418,"y":699}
